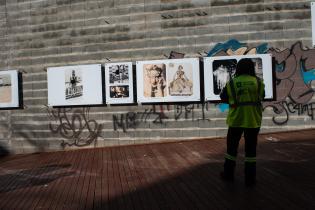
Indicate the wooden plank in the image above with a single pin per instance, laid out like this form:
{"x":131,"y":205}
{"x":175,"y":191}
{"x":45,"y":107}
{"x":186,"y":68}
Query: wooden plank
{"x":76,"y":187}
{"x":175,"y":189}
{"x":63,"y":165}
{"x":25,"y":182}
{"x":9,"y":171}
{"x":97,"y":170}
{"x":132,"y":179}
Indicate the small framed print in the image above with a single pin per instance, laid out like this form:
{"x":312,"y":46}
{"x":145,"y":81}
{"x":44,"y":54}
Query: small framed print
{"x":220,"y":69}
{"x":9,"y":89}
{"x":313,"y":21}
{"x":172,"y":80}
{"x":75,"y":85}
{"x":119,"y":83}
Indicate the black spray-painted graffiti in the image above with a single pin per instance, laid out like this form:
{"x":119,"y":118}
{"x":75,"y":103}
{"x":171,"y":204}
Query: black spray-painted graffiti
{"x":132,"y":120}
{"x":295,"y":71}
{"x":74,"y":125}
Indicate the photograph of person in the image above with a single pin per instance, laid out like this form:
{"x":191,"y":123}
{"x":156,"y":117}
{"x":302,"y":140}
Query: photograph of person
{"x":182,"y":79}
{"x":118,"y":73}
{"x":119,"y":91}
{"x":223,"y":71}
{"x":73,"y":84}
{"x":5,"y":88}
{"x":154,"y":80}
{"x":258,"y":67}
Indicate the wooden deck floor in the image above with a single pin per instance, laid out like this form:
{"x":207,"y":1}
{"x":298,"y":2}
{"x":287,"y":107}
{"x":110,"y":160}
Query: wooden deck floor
{"x":162,"y":176}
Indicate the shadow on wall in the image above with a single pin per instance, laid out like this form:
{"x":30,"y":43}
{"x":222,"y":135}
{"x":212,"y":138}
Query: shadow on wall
{"x":3,"y":151}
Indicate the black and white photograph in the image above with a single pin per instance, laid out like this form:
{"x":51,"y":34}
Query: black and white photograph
{"x":75,"y":85}
{"x":9,"y":89}
{"x":220,"y":69}
{"x":119,"y":91}
{"x":119,"y":83}
{"x":119,"y":73}
{"x":170,"y":80}
{"x":223,"y":71}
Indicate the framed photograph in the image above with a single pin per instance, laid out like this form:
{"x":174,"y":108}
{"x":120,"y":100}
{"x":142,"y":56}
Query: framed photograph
{"x":119,"y":83}
{"x":172,"y":80}
{"x":313,"y":21}
{"x":219,"y":70}
{"x":9,"y":89}
{"x":75,"y":85}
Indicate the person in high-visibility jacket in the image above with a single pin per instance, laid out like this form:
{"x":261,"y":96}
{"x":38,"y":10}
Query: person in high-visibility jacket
{"x":244,"y":94}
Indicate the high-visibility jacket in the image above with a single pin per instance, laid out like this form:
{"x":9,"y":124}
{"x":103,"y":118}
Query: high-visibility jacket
{"x":244,"y":94}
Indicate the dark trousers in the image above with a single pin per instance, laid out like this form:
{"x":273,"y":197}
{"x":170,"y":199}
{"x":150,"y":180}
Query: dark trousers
{"x":233,"y":138}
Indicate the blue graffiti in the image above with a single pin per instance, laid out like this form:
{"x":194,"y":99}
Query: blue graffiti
{"x":223,"y":107}
{"x":262,"y":49}
{"x":308,"y":75}
{"x":231,"y":44}
{"x":234,"y":44}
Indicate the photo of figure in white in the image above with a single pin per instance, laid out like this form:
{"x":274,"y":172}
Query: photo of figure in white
{"x":73,"y":84}
{"x":154,"y":80}
{"x":182,"y":79}
{"x":118,"y":73}
{"x":5,"y":88}
{"x":223,"y":71}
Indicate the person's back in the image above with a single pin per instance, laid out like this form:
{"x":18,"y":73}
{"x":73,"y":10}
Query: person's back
{"x":244,"y":94}
{"x":245,"y":110}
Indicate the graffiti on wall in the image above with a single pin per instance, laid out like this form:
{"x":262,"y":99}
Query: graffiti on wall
{"x":74,"y":125}
{"x":294,"y":76}
{"x":157,"y":115}
{"x":294,"y":72}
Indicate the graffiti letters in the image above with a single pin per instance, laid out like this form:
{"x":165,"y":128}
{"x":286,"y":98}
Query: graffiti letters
{"x":71,"y":124}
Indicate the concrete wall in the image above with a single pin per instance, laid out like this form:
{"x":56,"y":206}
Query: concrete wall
{"x":36,"y":34}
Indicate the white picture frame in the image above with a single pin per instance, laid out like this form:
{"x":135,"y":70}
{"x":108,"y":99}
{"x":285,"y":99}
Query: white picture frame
{"x":119,"y":83}
{"x":75,"y":85}
{"x":219,"y":69}
{"x":169,"y":80}
{"x":9,"y":89}
{"x":313,"y":21}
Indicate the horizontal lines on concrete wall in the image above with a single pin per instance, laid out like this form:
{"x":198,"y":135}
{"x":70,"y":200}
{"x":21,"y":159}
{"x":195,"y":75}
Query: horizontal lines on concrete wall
{"x":145,"y":30}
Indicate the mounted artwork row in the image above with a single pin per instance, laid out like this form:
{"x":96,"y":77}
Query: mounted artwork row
{"x":10,"y":89}
{"x":157,"y":81}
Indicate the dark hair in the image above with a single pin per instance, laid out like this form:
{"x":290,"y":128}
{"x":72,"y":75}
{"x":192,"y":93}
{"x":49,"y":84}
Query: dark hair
{"x":245,"y":66}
